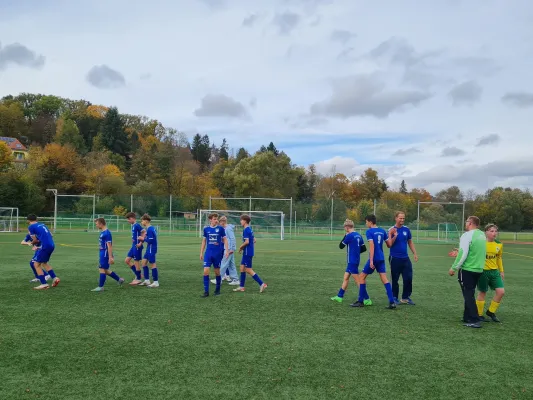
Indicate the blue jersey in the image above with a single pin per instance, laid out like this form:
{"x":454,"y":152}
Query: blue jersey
{"x":399,"y":248}
{"x":353,"y":242}
{"x":151,"y":240}
{"x":377,"y":236}
{"x":136,"y":230}
{"x":248,"y":233}
{"x":214,"y":237}
{"x":44,"y":236}
{"x":28,"y":238}
{"x":104,"y":239}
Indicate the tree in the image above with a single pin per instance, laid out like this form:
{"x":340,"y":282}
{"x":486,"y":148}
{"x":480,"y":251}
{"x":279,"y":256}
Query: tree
{"x":201,"y":150}
{"x":114,"y":137}
{"x":403,"y":187}
{"x":6,"y":157}
{"x":12,"y":123}
{"x":272,"y":149}
{"x":452,"y":194}
{"x":370,"y":185}
{"x":223,"y":153}
{"x":68,"y":133}
{"x":242,"y":154}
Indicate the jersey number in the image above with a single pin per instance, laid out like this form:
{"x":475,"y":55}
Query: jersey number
{"x":379,"y":239}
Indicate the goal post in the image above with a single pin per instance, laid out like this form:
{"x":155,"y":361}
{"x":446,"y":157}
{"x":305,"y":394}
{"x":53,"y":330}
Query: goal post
{"x":9,"y":219}
{"x":431,"y":217}
{"x":266,"y":224}
{"x":73,"y":211}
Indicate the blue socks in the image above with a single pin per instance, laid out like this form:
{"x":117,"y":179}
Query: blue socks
{"x":362,"y":292}
{"x":146,"y":272}
{"x":114,"y":276}
{"x":388,"y":288}
{"x":218,"y":281}
{"x":137,"y":273}
{"x":34,"y":270}
{"x":341,"y":293}
{"x":243,"y":278}
{"x":206,"y":283}
{"x":42,"y":280}
{"x":102,"y":280}
{"x":155,"y":274}
{"x":51,"y":273}
{"x":257,"y":279}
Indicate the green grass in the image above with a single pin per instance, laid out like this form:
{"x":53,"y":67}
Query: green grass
{"x":290,"y":342}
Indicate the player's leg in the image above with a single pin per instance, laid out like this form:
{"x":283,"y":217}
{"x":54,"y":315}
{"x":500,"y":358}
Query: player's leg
{"x":36,"y":279}
{"x":232,"y":269}
{"x":243,"y":278}
{"x":249,"y":270}
{"x":218,"y":275}
{"x":207,"y":269}
{"x":345,"y":282}
{"x":407,"y":275}
{"x":395,"y":272}
{"x":131,"y":264}
{"x":146,"y":271}
{"x":43,"y":285}
{"x":496,"y":284}
{"x":224,"y":264}
{"x":155,"y":272}
{"x":483,"y":288}
{"x":45,"y":263}
{"x":381,"y":269}
{"x":363,"y":294}
{"x":469,"y":282}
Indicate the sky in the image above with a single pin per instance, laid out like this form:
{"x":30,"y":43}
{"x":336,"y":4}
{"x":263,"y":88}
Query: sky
{"x":436,"y":93}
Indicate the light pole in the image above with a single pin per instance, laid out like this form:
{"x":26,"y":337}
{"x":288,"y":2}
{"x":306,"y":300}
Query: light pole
{"x":331,"y":226}
{"x":54,"y":191}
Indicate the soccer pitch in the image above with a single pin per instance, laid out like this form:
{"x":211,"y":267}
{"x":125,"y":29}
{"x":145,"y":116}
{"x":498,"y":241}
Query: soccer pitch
{"x":291,"y":342}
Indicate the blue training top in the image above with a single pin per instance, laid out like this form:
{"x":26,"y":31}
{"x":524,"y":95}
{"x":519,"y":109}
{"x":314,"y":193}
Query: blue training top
{"x":104,"y":239}
{"x":151,"y":240}
{"x":42,"y":233}
{"x":377,"y":236}
{"x":248,"y":233}
{"x":399,"y":247}
{"x":353,"y":242}
{"x":214,"y":236}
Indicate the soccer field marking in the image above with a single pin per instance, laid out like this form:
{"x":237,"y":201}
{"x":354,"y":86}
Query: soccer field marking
{"x":519,"y":255}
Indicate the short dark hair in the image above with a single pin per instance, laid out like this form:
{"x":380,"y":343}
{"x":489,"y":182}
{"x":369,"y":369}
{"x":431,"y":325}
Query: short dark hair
{"x":371,"y":218}
{"x":100,"y":221}
{"x":246,"y":218}
{"x":474,"y":220}
{"x":32,"y":217}
{"x":490,"y":226}
{"x":146,"y":217}
{"x":211,"y":216}
{"x":130,"y":215}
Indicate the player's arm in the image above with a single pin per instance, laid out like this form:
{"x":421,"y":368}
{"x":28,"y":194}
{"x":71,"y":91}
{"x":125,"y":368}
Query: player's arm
{"x":202,"y":248}
{"x":413,"y":249}
{"x":362,"y":248}
{"x":499,"y":261}
{"x":232,"y":241}
{"x":464,"y":246}
{"x":226,"y":245}
{"x":244,"y":244}
{"x":371,"y":251}
{"x":393,"y":234}
{"x":343,"y":243}
{"x":109,"y":245}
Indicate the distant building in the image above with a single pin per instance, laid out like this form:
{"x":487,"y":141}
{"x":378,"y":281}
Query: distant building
{"x":19,"y":151}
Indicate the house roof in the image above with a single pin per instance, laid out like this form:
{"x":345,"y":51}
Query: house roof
{"x":13,"y":143}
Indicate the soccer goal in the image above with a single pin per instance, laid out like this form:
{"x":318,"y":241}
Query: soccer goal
{"x":430,"y":225}
{"x":9,"y":219}
{"x":447,"y":232}
{"x":266,"y":224}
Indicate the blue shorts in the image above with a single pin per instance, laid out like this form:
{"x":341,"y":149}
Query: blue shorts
{"x":42,"y":256}
{"x":136,"y":253}
{"x":352,"y":268}
{"x":150,"y":257}
{"x":379,"y":267}
{"x":104,"y":263}
{"x":247,"y":261}
{"x":213,"y":260}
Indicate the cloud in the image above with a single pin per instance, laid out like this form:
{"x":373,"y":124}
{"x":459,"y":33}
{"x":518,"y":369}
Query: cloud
{"x":487,"y":140}
{"x":103,"y":77}
{"x":219,"y":105}
{"x":365,"y":95}
{"x":253,"y":102}
{"x":452,"y":152}
{"x":406,"y":152}
{"x":397,"y":50}
{"x":466,"y":93}
{"x":518,"y":99}
{"x":146,"y":76}
{"x":250,"y":20}
{"x":214,"y":3}
{"x":341,"y":35}
{"x":16,"y":54}
{"x":286,"y":22}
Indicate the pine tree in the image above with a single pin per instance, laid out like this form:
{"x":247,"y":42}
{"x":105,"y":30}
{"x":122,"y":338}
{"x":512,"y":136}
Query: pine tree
{"x":223,"y":153}
{"x":403,"y":187}
{"x":114,"y":136}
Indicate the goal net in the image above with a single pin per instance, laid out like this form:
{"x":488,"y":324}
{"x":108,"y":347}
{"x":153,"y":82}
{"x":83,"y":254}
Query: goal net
{"x":440,"y":222}
{"x":448,"y":232}
{"x":265,"y":224}
{"x":9,"y":219}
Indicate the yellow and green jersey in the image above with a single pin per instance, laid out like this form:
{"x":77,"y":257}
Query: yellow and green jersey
{"x":493,"y":259}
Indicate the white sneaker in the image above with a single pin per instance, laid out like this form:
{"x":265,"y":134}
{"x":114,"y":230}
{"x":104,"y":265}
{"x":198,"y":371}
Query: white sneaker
{"x":34,"y":280}
{"x":214,"y":281}
{"x":226,"y":278}
{"x":41,"y":287}
{"x":135,"y":282}
{"x":47,"y":277}
{"x":145,"y":283}
{"x":154,"y":285}
{"x":234,"y":283}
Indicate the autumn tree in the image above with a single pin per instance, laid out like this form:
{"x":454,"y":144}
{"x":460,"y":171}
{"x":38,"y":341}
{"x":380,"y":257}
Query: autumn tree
{"x":6,"y":157}
{"x":67,"y":132}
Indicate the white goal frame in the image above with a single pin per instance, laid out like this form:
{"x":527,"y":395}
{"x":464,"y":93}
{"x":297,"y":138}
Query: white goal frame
{"x":56,"y":195}
{"x":443,"y":234}
{"x":250,"y":201}
{"x":202,"y":213}
{"x":435,"y":202}
{"x":14,"y":215}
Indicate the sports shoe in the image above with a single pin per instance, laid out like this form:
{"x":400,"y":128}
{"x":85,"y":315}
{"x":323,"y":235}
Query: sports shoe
{"x":391,"y":306}
{"x":135,"y":282}
{"x":214,"y":281}
{"x":120,"y":281}
{"x":397,"y":301}
{"x":473,"y":324}
{"x":206,"y":294}
{"x":408,"y":301}
{"x":357,"y":304}
{"x":42,"y":287}
{"x":226,"y":278}
{"x":146,"y":282}
{"x":263,"y":287}
{"x":217,"y":293}
{"x":154,"y":285}
{"x":337,"y":299}
{"x":98,"y":289}
{"x":56,"y":282}
{"x":483,"y":319}
{"x":239,"y":289}
{"x":493,"y":316}
{"x":234,"y":283}
{"x":35,"y":280}
{"x":367,"y":302}
{"x":47,"y":277}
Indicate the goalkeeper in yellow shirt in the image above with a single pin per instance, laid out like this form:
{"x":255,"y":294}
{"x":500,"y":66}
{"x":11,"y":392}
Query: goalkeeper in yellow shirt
{"x":492,"y":276}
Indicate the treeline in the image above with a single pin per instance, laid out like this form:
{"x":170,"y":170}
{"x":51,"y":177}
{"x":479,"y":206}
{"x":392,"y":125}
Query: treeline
{"x":78,"y":147}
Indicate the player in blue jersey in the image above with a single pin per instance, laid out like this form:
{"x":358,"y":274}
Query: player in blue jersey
{"x":134,"y":257}
{"x":400,"y":264}
{"x":247,"y":249}
{"x":210,"y":253}
{"x":355,"y":245}
{"x":35,"y":247}
{"x":106,"y":255}
{"x":228,"y":263}
{"x":376,"y":262}
{"x":151,"y":250}
{"x":40,"y":234}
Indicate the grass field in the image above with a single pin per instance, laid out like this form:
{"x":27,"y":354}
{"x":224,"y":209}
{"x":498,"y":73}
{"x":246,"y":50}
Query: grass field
{"x":290,"y":342}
